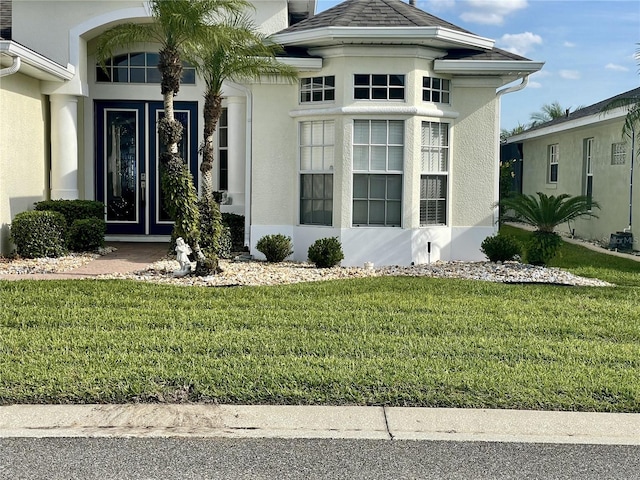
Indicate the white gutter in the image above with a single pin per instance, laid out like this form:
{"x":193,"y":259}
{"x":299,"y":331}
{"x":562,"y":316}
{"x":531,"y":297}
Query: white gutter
{"x":34,"y":64}
{"x":515,"y":88}
{"x":15,"y":66}
{"x":488,"y":67}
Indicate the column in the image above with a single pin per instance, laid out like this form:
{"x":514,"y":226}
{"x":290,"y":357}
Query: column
{"x":236,"y":111}
{"x":64,"y":147}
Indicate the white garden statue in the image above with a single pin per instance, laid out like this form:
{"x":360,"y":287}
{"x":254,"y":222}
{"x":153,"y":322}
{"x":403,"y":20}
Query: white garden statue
{"x":183,"y":251}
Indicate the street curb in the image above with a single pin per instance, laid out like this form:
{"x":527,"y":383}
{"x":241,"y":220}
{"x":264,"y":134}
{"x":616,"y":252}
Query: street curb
{"x":342,"y":422}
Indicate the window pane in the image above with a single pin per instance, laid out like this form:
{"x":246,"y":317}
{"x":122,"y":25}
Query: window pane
{"x":102,"y":76}
{"x":361,"y":94}
{"x":305,"y":158}
{"x":394,"y":213}
{"x":376,"y":212}
{"x":305,"y":83}
{"x":328,"y":186}
{"x":396,"y":94}
{"x":329,"y":133}
{"x":330,"y":81}
{"x":306,"y":212}
{"x":329,"y":95}
{"x":317,"y":133}
{"x":445,"y":97}
{"x":223,"y":137}
{"x":360,"y":186}
{"x":121,"y":60}
{"x":153,"y":75}
{"x":378,"y":158}
{"x":306,"y":186}
{"x":317,"y":96}
{"x":379,"y":80}
{"x":379,"y":93}
{"x":395,"y":158}
{"x":152,"y":59}
{"x":360,"y":157}
{"x":328,"y":157}
{"x":188,"y":76}
{"x":328,"y":213}
{"x":396,"y":80}
{"x":394,"y":187}
{"x":120,"y":74}
{"x":361,"y":131}
{"x":379,"y":132}
{"x":316,"y":158}
{"x":378,"y":186}
{"x":396,"y":132}
{"x":360,"y":212}
{"x":137,"y":75}
{"x":435,"y":96}
{"x":305,"y":133}
{"x":361,"y":79}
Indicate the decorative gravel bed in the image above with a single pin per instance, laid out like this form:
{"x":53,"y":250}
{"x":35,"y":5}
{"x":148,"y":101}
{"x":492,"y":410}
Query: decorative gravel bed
{"x":261,"y":273}
{"x":23,"y":266}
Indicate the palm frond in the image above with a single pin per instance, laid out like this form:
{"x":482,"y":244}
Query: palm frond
{"x":125,"y":36}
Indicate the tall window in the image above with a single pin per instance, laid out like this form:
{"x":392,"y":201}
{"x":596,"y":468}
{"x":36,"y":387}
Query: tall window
{"x":618,"y":153}
{"x":553,"y":157}
{"x":223,"y":150}
{"x":435,"y":173}
{"x":378,"y":162}
{"x":318,"y":89}
{"x":588,"y":169}
{"x":317,"y":146}
{"x":139,"y":67}
{"x":378,"y":87}
{"x":435,"y":90}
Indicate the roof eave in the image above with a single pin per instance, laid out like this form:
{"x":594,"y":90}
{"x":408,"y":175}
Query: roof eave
{"x":420,"y":35}
{"x":515,"y":68}
{"x":36,"y":65}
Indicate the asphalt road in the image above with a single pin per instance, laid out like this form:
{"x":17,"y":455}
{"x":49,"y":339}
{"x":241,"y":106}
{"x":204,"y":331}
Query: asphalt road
{"x":282,"y":459}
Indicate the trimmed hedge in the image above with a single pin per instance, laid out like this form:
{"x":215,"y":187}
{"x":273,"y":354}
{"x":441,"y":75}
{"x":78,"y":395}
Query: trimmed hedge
{"x":87,"y":234}
{"x":39,"y":234}
{"x":73,"y":209}
{"x":236,"y":226}
{"x":326,"y":252}
{"x":275,"y":247}
{"x":501,"y":248}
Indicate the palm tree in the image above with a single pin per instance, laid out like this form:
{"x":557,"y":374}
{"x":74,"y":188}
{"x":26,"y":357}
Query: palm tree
{"x":175,"y":24}
{"x":545,"y":213}
{"x":548,"y":112}
{"x":237,"y":52}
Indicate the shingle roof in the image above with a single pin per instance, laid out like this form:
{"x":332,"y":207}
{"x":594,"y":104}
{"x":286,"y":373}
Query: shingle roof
{"x":493,"y":54}
{"x":594,"y":109}
{"x":372,"y":13}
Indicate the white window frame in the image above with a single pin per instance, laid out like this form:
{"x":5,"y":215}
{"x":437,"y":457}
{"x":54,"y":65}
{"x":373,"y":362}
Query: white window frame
{"x":588,"y":169}
{"x":389,"y":172}
{"x":553,"y":163}
{"x":223,"y":150}
{"x":318,"y":86}
{"x":376,"y":90}
{"x":438,"y":90}
{"x":434,"y":165}
{"x":319,"y":147}
{"x":618,"y":153}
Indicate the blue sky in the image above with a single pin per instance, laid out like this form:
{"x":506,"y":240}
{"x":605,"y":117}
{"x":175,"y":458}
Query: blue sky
{"x":588,"y":46}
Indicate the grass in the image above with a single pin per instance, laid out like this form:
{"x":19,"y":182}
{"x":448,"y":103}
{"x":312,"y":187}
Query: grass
{"x":377,"y":341}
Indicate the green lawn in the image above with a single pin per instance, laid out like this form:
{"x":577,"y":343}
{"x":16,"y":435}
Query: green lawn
{"x":376,"y":341}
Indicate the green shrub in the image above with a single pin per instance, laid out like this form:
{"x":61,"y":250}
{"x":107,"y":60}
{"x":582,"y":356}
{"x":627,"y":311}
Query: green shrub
{"x":73,"y":209}
{"x":225,"y":246}
{"x":210,"y":226}
{"x":501,"y":248}
{"x":326,"y":252}
{"x":236,"y":225}
{"x":39,"y":234}
{"x":87,"y":234}
{"x":275,"y":247}
{"x":542,"y":247}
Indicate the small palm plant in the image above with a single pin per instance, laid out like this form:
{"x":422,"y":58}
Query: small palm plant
{"x":545,"y":213}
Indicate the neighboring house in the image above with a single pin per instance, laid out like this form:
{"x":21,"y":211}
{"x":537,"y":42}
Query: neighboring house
{"x":390,"y":140}
{"x":584,"y":153}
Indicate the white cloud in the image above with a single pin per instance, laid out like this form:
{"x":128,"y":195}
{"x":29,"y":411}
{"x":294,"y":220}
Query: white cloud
{"x":569,"y":74}
{"x":569,"y":44}
{"x":617,"y":68}
{"x":534,"y":85}
{"x":437,"y":5}
{"x":519,"y":43}
{"x":491,"y":12}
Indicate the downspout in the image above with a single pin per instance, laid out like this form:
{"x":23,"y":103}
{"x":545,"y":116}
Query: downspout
{"x":248,"y":163}
{"x":633,"y":154}
{"x":499,"y":93}
{"x":15,"y":66}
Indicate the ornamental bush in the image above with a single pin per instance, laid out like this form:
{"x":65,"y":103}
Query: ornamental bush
{"x":73,"y":209}
{"x":39,"y":234}
{"x":87,"y":234}
{"x":235,"y":223}
{"x":501,"y":248}
{"x":275,"y":247}
{"x":542,"y":247}
{"x":326,"y":252}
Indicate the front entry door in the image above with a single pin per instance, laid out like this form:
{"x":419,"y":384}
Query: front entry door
{"x":127,"y":163}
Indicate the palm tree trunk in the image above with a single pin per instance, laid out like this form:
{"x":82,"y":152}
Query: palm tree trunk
{"x":212,"y":113}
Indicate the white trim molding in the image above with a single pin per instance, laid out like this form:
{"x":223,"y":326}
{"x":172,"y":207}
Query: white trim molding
{"x":34,"y":64}
{"x":375,"y":110}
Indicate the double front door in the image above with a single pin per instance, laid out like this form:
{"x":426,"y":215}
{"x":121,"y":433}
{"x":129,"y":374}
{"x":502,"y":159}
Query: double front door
{"x":128,"y":165}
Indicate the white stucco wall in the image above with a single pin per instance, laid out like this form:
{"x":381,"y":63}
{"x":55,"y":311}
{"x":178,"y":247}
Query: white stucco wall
{"x":610,"y":182}
{"x":23,"y":149}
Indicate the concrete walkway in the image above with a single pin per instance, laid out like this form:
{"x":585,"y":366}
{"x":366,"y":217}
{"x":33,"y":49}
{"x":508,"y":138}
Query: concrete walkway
{"x":263,"y":421}
{"x":129,"y":257}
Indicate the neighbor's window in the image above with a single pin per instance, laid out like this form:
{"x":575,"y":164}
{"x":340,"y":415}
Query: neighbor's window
{"x":618,"y":153}
{"x":378,"y":162}
{"x":553,"y":154}
{"x":588,"y":170}
{"x":223,"y":150}
{"x":318,"y":89}
{"x":435,"y":90}
{"x":139,"y":67}
{"x":378,"y":87}
{"x":316,"y":172}
{"x":435,"y":173}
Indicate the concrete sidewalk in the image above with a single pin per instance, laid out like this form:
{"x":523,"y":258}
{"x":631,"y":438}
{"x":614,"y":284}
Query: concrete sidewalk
{"x":264,"y":421}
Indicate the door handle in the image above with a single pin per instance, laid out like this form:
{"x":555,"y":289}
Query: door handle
{"x":143,"y":187}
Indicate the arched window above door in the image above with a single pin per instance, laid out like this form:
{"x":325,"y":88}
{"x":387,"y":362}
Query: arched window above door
{"x":139,"y":67}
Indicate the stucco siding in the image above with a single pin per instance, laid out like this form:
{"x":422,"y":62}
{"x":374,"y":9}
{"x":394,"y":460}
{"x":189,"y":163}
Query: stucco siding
{"x":610,"y":182}
{"x":23,"y":149}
